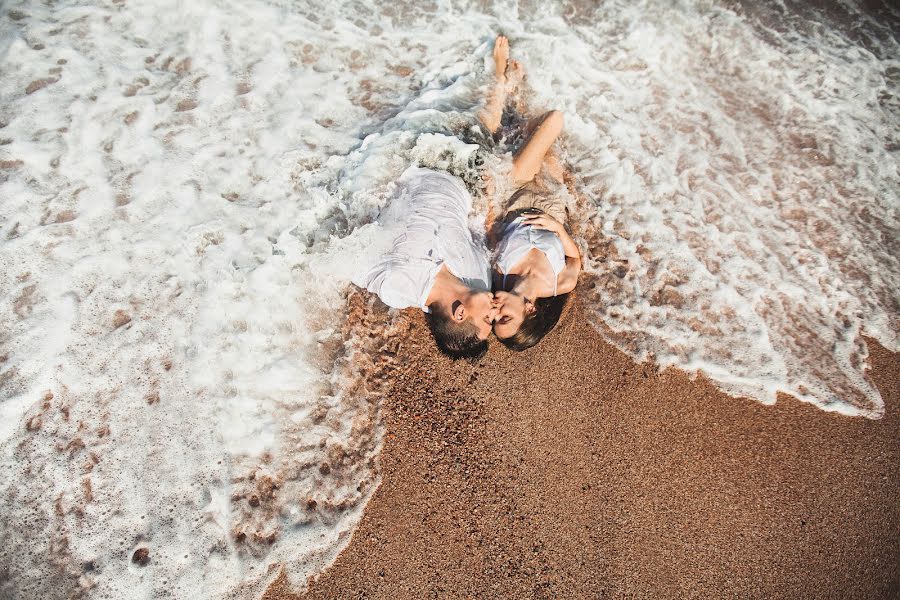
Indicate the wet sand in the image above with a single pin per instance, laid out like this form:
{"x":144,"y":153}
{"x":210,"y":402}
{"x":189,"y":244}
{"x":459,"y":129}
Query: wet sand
{"x":604,"y":478}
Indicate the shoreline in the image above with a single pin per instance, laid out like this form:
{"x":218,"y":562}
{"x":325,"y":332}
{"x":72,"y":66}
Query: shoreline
{"x":607,"y":478}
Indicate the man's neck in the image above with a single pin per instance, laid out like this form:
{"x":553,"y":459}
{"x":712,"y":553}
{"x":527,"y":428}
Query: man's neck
{"x":447,"y":288}
{"x":526,"y":287}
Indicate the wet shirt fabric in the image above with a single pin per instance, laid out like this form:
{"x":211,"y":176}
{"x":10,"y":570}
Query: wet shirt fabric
{"x":517,"y":238}
{"x":432,"y":214}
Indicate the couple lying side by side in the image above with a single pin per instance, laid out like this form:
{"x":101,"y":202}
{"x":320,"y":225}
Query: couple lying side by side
{"x":436,"y":264}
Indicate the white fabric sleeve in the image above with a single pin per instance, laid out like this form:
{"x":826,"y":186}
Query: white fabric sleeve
{"x":402,"y":285}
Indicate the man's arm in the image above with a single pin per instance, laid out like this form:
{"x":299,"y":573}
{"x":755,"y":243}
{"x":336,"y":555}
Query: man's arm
{"x":401,"y":282}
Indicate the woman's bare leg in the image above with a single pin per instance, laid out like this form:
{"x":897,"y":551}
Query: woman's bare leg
{"x":554,"y":167}
{"x":528,"y":160}
{"x":507,"y":75}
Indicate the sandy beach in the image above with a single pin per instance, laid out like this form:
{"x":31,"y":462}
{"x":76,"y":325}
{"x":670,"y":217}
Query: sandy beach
{"x":195,"y":395}
{"x":605,"y":478}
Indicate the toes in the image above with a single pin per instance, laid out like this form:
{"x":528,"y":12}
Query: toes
{"x":501,"y":55}
{"x":501,"y":45}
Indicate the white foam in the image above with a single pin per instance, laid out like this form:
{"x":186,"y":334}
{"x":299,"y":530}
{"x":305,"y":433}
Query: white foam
{"x":188,"y":194}
{"x":197,"y":187}
{"x":747,"y":191}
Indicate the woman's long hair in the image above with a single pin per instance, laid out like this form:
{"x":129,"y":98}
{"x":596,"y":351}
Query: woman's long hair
{"x":537,"y":324}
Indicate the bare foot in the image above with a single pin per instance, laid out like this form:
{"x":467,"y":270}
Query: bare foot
{"x":501,"y":56}
{"x":514,"y":72}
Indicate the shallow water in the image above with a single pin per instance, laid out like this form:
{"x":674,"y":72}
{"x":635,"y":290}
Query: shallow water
{"x":187,"y":189}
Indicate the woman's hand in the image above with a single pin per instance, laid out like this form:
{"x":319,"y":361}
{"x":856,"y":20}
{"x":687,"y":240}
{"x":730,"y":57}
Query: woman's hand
{"x":544,"y":221}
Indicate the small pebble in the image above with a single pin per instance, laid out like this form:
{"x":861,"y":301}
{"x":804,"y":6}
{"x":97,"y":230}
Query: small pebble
{"x":141,"y":557}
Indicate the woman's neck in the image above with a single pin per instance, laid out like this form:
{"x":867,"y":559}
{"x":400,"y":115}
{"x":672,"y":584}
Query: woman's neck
{"x":529,"y":274}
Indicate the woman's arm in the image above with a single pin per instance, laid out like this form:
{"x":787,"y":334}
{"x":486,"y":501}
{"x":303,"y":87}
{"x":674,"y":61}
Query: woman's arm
{"x":568,"y":277}
{"x":490,"y":220}
{"x":544,"y":221}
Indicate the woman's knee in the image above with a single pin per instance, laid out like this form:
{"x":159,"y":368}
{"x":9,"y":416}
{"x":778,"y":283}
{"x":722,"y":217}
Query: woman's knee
{"x":554,"y":119}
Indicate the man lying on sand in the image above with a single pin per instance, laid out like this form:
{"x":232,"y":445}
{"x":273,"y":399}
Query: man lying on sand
{"x":435,"y":263}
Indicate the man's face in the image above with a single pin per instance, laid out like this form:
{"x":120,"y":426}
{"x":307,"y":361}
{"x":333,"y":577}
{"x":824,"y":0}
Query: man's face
{"x":481,"y":310}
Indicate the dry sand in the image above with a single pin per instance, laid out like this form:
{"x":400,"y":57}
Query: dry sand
{"x":569,"y":471}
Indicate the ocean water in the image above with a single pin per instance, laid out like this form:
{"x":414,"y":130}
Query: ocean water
{"x":187,"y":188}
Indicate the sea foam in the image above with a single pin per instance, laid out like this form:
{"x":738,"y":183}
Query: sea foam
{"x":190,"y":395}
{"x":742,"y":185}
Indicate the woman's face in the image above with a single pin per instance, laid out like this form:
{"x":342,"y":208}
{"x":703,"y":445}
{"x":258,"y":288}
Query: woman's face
{"x":512,"y":311}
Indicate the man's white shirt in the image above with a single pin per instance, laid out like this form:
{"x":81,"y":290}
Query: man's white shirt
{"x":432,"y":215}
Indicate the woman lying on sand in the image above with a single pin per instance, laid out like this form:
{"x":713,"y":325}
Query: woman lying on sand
{"x":536,"y":261}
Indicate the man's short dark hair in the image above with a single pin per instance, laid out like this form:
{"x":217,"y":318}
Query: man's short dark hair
{"x":456,"y":340}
